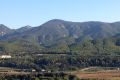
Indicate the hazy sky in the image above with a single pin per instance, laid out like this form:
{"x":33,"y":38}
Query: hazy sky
{"x":18,"y":13}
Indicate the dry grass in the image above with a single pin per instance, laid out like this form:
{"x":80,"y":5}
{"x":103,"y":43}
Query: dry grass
{"x":98,"y":75}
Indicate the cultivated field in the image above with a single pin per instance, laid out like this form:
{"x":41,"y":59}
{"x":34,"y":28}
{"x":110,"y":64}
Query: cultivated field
{"x":90,"y":73}
{"x":94,"y":73}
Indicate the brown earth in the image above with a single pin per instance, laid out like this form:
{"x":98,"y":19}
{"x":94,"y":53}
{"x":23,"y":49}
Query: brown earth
{"x":107,"y":75}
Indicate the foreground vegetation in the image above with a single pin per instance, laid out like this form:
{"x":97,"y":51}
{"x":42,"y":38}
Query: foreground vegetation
{"x":61,"y":62}
{"x":32,"y":76}
{"x":62,"y":57}
{"x":89,"y":73}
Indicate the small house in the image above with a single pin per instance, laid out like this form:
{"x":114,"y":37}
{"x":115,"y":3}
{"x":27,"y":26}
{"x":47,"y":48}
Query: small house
{"x":5,"y":56}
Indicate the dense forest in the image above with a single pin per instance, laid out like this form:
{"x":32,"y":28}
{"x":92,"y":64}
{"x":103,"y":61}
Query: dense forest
{"x":85,"y":53}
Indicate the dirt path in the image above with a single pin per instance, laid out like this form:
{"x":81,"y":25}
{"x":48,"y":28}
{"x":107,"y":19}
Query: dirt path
{"x":84,"y":69}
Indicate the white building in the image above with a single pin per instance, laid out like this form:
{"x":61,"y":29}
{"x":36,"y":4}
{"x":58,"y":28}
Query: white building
{"x":5,"y":56}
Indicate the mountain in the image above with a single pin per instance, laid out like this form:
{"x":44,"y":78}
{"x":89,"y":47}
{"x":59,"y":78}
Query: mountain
{"x":23,"y":29}
{"x":81,"y":44}
{"x":15,"y":33}
{"x":4,"y":30}
{"x":56,"y":31}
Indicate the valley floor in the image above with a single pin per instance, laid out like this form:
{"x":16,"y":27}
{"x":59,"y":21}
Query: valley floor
{"x":92,"y":73}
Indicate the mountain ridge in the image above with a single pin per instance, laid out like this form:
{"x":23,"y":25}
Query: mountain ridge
{"x":55,"y":30}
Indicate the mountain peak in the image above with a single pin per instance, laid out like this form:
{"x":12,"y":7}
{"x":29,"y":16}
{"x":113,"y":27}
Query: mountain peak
{"x":27,"y":26}
{"x":56,"y":20}
{"x":4,"y":30}
{"x":3,"y":26}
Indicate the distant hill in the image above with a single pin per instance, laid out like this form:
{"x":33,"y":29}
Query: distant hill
{"x":23,"y":29}
{"x":55,"y":32}
{"x":4,"y":30}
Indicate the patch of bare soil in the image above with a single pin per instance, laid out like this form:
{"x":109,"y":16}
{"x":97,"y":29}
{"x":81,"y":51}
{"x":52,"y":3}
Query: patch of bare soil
{"x":99,"y":75}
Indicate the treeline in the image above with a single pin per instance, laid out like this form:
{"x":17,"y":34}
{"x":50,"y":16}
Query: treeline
{"x":61,"y":62}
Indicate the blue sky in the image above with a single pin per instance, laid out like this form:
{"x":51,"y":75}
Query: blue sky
{"x":18,"y":13}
